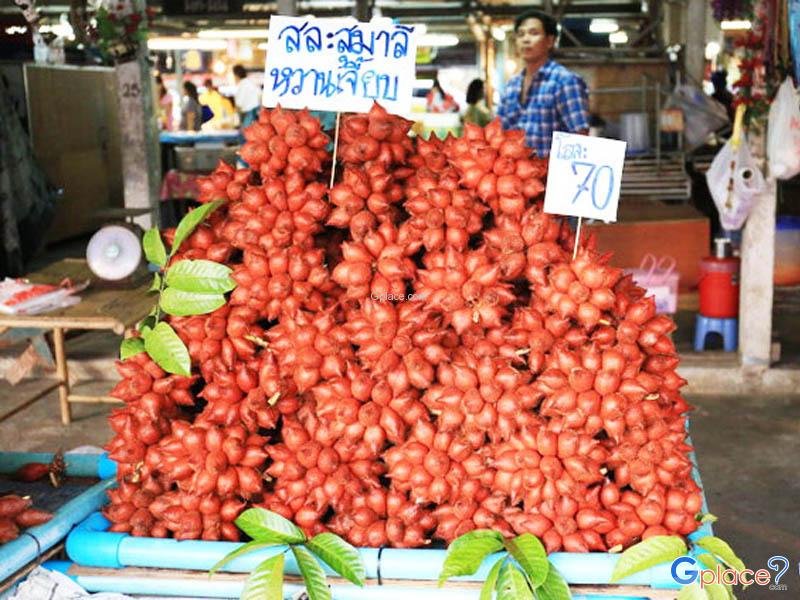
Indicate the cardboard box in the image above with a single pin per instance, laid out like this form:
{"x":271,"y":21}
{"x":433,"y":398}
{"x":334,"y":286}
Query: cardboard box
{"x":679,"y":231}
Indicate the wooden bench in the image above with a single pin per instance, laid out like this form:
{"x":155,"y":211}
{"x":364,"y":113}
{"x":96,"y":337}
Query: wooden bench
{"x":102,"y":306}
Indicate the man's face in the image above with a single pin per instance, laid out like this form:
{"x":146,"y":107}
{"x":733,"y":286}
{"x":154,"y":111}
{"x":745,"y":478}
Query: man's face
{"x":533,"y":44}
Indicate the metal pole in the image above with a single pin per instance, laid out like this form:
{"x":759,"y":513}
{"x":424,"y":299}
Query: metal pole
{"x":287,"y":7}
{"x":141,"y":158}
{"x":362,"y":10}
{"x":658,"y":126}
{"x":178,"y":58}
{"x":695,"y":40}
{"x":644,"y":93}
{"x":490,"y":67}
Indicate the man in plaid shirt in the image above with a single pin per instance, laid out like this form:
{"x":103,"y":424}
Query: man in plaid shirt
{"x":545,"y":96}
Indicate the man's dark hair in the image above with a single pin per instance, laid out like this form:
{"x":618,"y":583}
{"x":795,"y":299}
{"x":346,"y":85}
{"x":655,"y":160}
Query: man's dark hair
{"x":191,"y":90}
{"x":240,"y":71}
{"x":549,"y":24}
{"x":475,"y":91}
{"x":208,"y":84}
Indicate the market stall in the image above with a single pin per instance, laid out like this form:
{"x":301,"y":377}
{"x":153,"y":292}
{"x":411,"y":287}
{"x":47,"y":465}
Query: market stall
{"x":383,"y":356}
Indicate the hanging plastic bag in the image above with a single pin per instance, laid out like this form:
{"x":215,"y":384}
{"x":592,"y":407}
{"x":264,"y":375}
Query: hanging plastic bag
{"x":702,"y":114}
{"x":783,"y":133}
{"x":735,"y":183}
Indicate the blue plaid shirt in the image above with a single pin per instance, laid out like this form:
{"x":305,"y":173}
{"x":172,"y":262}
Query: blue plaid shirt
{"x":557,"y":101}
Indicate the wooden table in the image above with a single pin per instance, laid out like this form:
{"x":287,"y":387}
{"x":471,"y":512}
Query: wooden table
{"x":101,"y":307}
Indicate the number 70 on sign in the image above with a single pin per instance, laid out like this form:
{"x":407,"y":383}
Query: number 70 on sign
{"x":584,"y":176}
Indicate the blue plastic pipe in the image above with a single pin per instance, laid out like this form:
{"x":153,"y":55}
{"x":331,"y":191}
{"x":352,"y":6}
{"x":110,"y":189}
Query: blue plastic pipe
{"x":16,"y":554}
{"x":90,"y":545}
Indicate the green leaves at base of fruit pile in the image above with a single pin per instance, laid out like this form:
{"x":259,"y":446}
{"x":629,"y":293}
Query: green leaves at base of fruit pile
{"x":466,"y":553}
{"x":271,"y":529}
{"x":648,"y":553}
{"x":185,"y":288}
{"x":713,"y":553}
{"x":522,"y":572}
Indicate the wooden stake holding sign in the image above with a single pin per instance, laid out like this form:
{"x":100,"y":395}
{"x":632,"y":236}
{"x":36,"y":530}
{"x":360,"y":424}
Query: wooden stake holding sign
{"x":577,"y":238}
{"x":335,"y":148}
{"x":584,"y":178}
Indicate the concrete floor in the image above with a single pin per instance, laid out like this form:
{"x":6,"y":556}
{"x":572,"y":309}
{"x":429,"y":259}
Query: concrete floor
{"x":747,"y":447}
{"x":748,"y":450}
{"x":38,"y":428}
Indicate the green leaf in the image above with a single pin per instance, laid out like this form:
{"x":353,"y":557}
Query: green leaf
{"x":466,"y":553}
{"x":241,"y":550}
{"x":131,"y":346}
{"x":717,"y":591}
{"x":146,"y":325}
{"x":491,"y":580}
{"x":708,"y":560}
{"x":190,"y":221}
{"x":266,"y":526}
{"x":154,"y":250}
{"x":691,"y":592}
{"x":528,"y":551}
{"x":167,"y":350}
{"x":339,"y":556}
{"x":647,"y":553}
{"x":182,"y":304}
{"x":200,"y":276}
{"x":313,"y":575}
{"x":722,"y":551}
{"x":554,"y":587}
{"x":156,"y":285}
{"x":512,"y":585}
{"x":266,"y":580}
{"x":708,"y":518}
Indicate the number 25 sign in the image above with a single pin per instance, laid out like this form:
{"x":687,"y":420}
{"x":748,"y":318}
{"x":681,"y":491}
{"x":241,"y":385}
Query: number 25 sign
{"x":584,"y":176}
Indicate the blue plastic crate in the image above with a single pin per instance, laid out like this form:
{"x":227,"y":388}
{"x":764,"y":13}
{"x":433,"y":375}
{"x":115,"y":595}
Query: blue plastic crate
{"x":36,"y":540}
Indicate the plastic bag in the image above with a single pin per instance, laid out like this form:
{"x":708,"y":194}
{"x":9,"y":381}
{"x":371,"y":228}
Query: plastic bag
{"x":735,"y":183}
{"x":43,"y":583}
{"x":659,"y":277}
{"x":783,"y":133}
{"x":702,"y":114}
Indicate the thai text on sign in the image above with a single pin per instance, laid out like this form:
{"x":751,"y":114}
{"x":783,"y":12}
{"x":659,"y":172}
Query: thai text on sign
{"x":584,"y":176}
{"x":339,"y":64}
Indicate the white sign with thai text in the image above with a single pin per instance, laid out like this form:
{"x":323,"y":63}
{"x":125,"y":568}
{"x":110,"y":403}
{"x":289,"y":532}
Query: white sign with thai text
{"x":339,"y":64}
{"x":584,"y":176}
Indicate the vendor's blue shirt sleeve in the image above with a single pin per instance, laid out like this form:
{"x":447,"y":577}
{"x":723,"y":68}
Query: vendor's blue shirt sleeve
{"x":572,"y":103}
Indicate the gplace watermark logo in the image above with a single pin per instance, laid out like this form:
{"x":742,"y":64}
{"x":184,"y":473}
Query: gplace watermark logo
{"x":398,"y":297}
{"x":684,"y":571}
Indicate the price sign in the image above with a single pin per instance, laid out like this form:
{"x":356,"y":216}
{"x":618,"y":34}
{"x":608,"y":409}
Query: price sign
{"x":339,"y":64}
{"x":584,"y":176}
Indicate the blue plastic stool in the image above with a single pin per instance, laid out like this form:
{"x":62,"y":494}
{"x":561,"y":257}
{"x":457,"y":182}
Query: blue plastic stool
{"x":727,"y":328}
